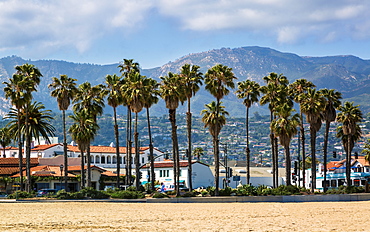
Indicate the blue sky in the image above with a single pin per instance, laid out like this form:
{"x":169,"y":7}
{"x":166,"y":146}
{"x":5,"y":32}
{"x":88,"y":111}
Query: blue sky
{"x":155,"y":32}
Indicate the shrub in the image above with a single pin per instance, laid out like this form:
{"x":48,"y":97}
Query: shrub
{"x":246,"y":190}
{"x":226,"y":191}
{"x":189,"y":194}
{"x":160,"y":195}
{"x":94,"y":194}
{"x":21,"y":194}
{"x":211,"y":190}
{"x":127,"y":195}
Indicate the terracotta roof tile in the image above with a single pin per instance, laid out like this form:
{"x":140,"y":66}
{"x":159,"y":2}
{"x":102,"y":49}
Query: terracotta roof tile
{"x":44,"y":147}
{"x":102,"y":149}
{"x":46,"y":171}
{"x":15,"y":161}
{"x":169,"y":164}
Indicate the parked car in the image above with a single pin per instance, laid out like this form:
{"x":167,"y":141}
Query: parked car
{"x":45,"y":192}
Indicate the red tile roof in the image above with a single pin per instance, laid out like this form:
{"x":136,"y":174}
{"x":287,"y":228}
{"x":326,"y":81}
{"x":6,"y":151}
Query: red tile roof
{"x":14,"y":162}
{"x":44,"y":147}
{"x":8,"y":171}
{"x":46,"y":171}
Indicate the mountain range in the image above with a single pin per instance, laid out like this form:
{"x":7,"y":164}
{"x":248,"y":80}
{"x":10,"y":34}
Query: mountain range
{"x":346,"y":73}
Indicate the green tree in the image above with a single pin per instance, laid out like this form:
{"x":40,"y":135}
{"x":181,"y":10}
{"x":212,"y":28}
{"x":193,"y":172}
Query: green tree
{"x":172,"y":91}
{"x":5,"y":138}
{"x":296,"y":89}
{"x":313,"y":105}
{"x":90,"y":99}
{"x":192,"y":81}
{"x":331,"y":103}
{"x":214,"y":118}
{"x":218,"y":79}
{"x":151,"y":98}
{"x":285,"y":127}
{"x":198,"y":152}
{"x":350,"y":115}
{"x":366,"y":150}
{"x":64,"y":89}
{"x":275,"y":94}
{"x":249,"y":91}
{"x":114,"y":99}
{"x":83,"y":131}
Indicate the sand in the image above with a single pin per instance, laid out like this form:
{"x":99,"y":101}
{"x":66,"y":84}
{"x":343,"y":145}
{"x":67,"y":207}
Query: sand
{"x":105,"y":216}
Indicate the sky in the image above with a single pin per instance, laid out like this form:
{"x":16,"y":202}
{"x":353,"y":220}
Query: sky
{"x":154,"y":32}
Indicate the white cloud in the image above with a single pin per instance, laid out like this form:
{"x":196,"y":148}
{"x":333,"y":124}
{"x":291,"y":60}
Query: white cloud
{"x":289,"y":20}
{"x":52,"y":25}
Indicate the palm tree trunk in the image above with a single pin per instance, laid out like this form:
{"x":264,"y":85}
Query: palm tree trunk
{"x":82,"y":170}
{"x":348,"y":160}
{"x":129,"y":148}
{"x":116,"y":134}
{"x":303,"y":141}
{"x":313,"y":158}
{"x":189,"y":150}
{"x":20,"y":155}
{"x":276,"y":162}
{"x":137,"y":155}
{"x":88,"y":157}
{"x":327,"y":126}
{"x":272,"y":153}
{"x":151,"y":155}
{"x":172,"y":118}
{"x":288,"y":166}
{"x":28,"y":153}
{"x":247,"y":149}
{"x":65,"y":151}
{"x":217,"y":164}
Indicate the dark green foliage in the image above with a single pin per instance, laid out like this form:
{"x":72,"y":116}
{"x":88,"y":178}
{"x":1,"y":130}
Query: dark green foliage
{"x":211,"y":190}
{"x":247,"y":190}
{"x":94,"y":194}
{"x":127,"y":195}
{"x":160,"y":195}
{"x":346,"y":190}
{"x":62,"y":194}
{"x":189,"y":194}
{"x":226,"y":191}
{"x":21,"y":194}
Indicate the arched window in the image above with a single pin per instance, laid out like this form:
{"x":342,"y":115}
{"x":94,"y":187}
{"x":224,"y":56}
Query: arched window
{"x":102,"y":160}
{"x":120,"y":159}
{"x":114,"y":159}
{"x":109,"y":160}
{"x":92,"y":159}
{"x":97,"y":159}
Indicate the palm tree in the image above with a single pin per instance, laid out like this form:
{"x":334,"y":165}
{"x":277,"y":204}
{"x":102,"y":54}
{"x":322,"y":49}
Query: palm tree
{"x":366,"y":150}
{"x":214,"y":117}
{"x":218,"y":79}
{"x":172,"y":91}
{"x":285,"y":127}
{"x":275,"y":93}
{"x":312,"y":105}
{"x":349,"y":116}
{"x":90,"y":99}
{"x":249,"y":91}
{"x":296,"y":89}
{"x":192,"y":80}
{"x":128,"y":66}
{"x":135,"y":95}
{"x":64,"y":90}
{"x":83,"y":132}
{"x":198,"y":152}
{"x":114,"y":99}
{"x":151,"y":89}
{"x":5,"y":138}
{"x":332,"y":102}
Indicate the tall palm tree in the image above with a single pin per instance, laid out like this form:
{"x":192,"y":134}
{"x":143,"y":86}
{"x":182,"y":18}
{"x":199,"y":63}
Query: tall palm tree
{"x":5,"y":138}
{"x":214,"y":117}
{"x":83,"y":131}
{"x":64,"y":90}
{"x":249,"y":91}
{"x":366,"y":150}
{"x":312,"y":105}
{"x":16,"y":91}
{"x":218,"y":79}
{"x":90,"y":99}
{"x":192,"y":81}
{"x":33,"y":74}
{"x":285,"y":127}
{"x":151,"y":98}
{"x":135,"y":94}
{"x":114,"y":99}
{"x":172,"y":91}
{"x":331,"y":103}
{"x":128,"y":66}
{"x":350,"y":115}
{"x":275,"y":94}
{"x":296,"y":89}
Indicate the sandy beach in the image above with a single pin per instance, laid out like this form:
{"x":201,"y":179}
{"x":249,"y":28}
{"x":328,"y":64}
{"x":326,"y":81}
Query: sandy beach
{"x":105,"y":216}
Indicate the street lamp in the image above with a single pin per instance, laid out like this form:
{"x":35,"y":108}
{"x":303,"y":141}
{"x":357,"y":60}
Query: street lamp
{"x":61,"y":174}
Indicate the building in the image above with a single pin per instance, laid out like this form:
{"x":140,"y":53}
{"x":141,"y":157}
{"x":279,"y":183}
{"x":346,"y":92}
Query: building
{"x":201,"y":173}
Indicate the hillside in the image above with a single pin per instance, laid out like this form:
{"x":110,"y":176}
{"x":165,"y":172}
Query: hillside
{"x":348,"y":74}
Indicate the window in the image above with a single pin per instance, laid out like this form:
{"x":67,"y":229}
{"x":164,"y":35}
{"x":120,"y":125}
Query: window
{"x":114,"y":159}
{"x":160,"y":173}
{"x":356,"y":182}
{"x":124,"y":160}
{"x":168,"y":173}
{"x":142,"y":160}
{"x":327,"y":183}
{"x":363,"y":182}
{"x":103,"y":160}
{"x":333,"y":183}
{"x":109,"y":160}
{"x":340,"y":182}
{"x":97,"y":159}
{"x":92,"y":159}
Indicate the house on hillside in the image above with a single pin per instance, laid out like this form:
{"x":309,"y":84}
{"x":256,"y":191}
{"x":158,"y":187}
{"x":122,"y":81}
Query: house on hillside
{"x":201,"y":173}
